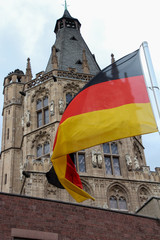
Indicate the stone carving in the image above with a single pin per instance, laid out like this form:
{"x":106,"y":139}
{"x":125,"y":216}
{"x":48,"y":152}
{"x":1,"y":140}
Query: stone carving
{"x":52,"y":112}
{"x":143,"y":195}
{"x":61,"y":106}
{"x":73,"y":87}
{"x":157,"y":170}
{"x":22,"y":121}
{"x":40,"y":78}
{"x":69,"y":74}
{"x":28,"y":118}
{"x":94,"y":159}
{"x":37,"y":178}
{"x":146,"y":169}
{"x":42,"y":135}
{"x":100,"y":160}
{"x":21,"y":170}
{"x":51,"y":191}
{"x":41,"y":92}
{"x":105,"y":205}
{"x":128,"y":162}
{"x":136,"y":163}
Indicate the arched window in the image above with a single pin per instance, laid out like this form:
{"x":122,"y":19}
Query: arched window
{"x":39,"y":104}
{"x":111,"y":158}
{"x":46,"y":148}
{"x":113,"y":202}
{"x":144,"y":195}
{"x":117,"y":198}
{"x":69,"y":97}
{"x":119,"y":203}
{"x":79,"y":161}
{"x":43,"y":149}
{"x":42,"y":112}
{"x":122,"y":203}
{"x":39,"y":150}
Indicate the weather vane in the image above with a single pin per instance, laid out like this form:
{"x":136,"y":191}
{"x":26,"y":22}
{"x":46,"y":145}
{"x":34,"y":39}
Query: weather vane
{"x":65,"y":5}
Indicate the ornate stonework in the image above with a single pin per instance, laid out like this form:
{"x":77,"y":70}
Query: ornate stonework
{"x":115,"y":174}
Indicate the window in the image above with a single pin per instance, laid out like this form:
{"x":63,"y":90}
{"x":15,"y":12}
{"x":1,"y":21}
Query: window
{"x":70,"y":24}
{"x":116,"y":202}
{"x":43,"y":149}
{"x":73,"y":38}
{"x":7,"y":133}
{"x":111,"y":158}
{"x":39,"y":150}
{"x":117,"y":198}
{"x":5,"y":179}
{"x":68,"y":98}
{"x":79,"y":161}
{"x":42,"y":112}
{"x":143,"y":195}
{"x":46,"y":148}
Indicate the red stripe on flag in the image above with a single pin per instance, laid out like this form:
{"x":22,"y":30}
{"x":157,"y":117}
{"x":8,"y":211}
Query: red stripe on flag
{"x":107,"y":95}
{"x":71,"y":173}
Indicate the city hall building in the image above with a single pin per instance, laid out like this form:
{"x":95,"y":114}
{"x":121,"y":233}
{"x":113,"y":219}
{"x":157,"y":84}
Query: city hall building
{"x":114,"y":173}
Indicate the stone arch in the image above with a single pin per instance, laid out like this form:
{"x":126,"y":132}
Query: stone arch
{"x":40,"y":93}
{"x":40,"y":138}
{"x":71,"y":87}
{"x":50,"y":191}
{"x":87,"y":187}
{"x":118,"y":197}
{"x":138,"y":153}
{"x":54,"y":193}
{"x":144,"y":193}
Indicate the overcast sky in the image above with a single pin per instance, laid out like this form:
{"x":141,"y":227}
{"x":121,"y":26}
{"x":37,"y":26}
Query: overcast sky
{"x":119,"y":27}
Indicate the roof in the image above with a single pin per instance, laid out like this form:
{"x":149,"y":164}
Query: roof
{"x":69,"y":46}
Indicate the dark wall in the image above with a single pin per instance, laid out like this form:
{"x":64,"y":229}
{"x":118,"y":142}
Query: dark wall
{"x":69,"y":222}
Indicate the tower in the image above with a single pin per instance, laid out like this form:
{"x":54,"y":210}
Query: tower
{"x":114,"y":173}
{"x":12,"y":131}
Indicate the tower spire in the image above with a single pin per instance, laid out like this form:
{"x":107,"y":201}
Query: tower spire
{"x":65,"y":5}
{"x":28,"y":70}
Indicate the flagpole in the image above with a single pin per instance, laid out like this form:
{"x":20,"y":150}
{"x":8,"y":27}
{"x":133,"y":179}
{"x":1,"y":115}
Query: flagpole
{"x":151,"y":73}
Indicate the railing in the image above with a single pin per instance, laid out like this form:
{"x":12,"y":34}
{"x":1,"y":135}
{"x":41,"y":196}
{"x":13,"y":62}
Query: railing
{"x":40,"y":78}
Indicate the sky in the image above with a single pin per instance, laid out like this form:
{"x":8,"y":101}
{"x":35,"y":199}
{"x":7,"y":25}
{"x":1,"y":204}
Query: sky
{"x":118,"y":27}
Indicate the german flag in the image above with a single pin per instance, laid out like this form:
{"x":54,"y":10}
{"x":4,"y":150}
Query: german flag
{"x":113,"y":105}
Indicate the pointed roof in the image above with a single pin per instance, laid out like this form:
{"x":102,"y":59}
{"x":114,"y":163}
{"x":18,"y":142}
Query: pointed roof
{"x":70,"y":46}
{"x":66,"y":14}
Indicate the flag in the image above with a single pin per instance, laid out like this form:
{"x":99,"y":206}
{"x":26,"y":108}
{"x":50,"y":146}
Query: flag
{"x":113,"y":105}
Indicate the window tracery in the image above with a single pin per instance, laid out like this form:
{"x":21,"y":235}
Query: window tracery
{"x":42,"y":109}
{"x":79,"y":161}
{"x":111,"y":158}
{"x":118,"y":198}
{"x":144,"y":194}
{"x":43,"y":149}
{"x":138,"y":153}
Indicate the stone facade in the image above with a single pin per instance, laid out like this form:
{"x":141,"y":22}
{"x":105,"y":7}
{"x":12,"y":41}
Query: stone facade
{"x":114,"y":173}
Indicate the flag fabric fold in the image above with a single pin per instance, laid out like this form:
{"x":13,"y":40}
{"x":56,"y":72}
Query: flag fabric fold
{"x":113,"y":105}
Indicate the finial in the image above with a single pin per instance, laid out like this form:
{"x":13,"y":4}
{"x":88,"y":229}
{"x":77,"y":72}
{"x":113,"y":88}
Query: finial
{"x":65,"y":5}
{"x":28,"y":70}
{"x":112,"y":58}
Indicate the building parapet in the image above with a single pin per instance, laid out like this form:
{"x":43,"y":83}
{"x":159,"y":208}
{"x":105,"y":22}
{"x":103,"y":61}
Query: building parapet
{"x":41,"y":77}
